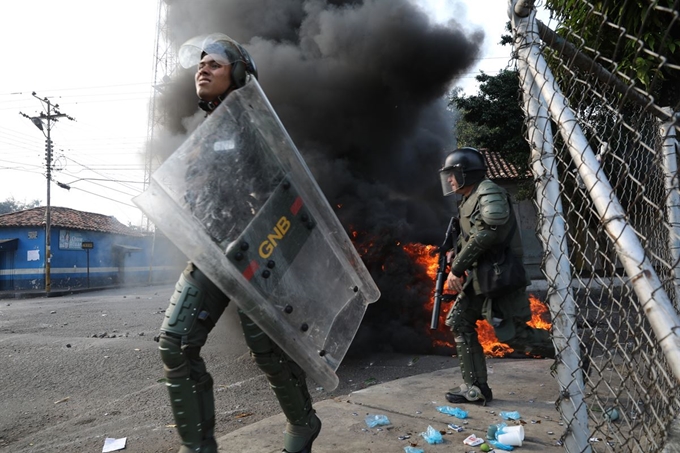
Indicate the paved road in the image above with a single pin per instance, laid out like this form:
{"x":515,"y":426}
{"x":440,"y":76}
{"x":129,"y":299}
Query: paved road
{"x":77,"y":369}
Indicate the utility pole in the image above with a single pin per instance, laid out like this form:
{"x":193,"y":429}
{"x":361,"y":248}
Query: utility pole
{"x":52,"y":116}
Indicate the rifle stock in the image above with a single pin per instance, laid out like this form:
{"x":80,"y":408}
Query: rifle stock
{"x":442,"y":272}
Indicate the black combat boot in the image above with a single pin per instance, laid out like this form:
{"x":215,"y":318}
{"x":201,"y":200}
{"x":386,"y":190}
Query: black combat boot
{"x":476,"y":394}
{"x":296,"y":435}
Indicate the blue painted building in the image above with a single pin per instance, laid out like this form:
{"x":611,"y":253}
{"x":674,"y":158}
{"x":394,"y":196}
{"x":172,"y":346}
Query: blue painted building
{"x":119,"y":255}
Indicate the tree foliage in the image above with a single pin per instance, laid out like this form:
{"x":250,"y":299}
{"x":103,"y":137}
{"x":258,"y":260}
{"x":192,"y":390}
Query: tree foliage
{"x":642,"y":38}
{"x":493,"y":118}
{"x":12,"y":205}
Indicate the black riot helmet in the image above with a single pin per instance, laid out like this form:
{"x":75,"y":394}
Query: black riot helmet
{"x":226,"y":51}
{"x":467,"y":165}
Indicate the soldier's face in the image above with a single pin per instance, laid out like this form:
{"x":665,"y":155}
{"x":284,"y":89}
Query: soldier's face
{"x":213,"y":78}
{"x":451,"y":179}
{"x":456,"y":187}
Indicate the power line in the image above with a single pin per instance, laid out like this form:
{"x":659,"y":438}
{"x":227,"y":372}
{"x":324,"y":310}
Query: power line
{"x":106,"y":198}
{"x":149,"y":83}
{"x":42,"y":121}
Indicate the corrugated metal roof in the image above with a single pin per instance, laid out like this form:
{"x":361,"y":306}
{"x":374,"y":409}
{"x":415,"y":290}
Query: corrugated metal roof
{"x":66,"y":218}
{"x":499,"y":168}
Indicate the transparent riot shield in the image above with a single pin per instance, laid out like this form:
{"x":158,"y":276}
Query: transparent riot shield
{"x":238,"y":200}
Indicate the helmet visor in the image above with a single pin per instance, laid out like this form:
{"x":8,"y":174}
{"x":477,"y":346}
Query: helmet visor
{"x":447,"y":176}
{"x":215,"y":45}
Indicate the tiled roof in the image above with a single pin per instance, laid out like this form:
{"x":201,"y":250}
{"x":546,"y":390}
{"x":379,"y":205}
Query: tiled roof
{"x":499,"y":168}
{"x":66,"y":218}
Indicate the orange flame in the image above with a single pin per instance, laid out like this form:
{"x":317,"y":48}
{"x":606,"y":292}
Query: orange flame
{"x":426,"y":256}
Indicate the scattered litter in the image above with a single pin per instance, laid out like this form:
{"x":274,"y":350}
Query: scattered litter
{"x":319,"y":389}
{"x":111,"y":444}
{"x":413,"y":361}
{"x":413,"y":450}
{"x":551,"y":433}
{"x":500,"y":446}
{"x":63,"y":400}
{"x":53,"y":312}
{"x":404,"y":437}
{"x":355,"y":414}
{"x":432,"y":436}
{"x":611,"y":415}
{"x":473,"y":440}
{"x":514,"y":415}
{"x":493,"y":429}
{"x":454,"y":411}
{"x":535,"y":422}
{"x":244,"y":414}
{"x":460,"y":429}
{"x":419,"y":412}
{"x":594,"y":439}
{"x":502,"y":437}
{"x":370,"y":381}
{"x":172,"y":425}
{"x":376,"y":420}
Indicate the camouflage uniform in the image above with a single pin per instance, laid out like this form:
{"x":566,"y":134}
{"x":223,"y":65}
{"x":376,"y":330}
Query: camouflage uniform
{"x":486,"y":220}
{"x":197,"y":302}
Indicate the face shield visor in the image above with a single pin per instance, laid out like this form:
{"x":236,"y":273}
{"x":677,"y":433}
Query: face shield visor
{"x":452,"y":179}
{"x":218,"y":45}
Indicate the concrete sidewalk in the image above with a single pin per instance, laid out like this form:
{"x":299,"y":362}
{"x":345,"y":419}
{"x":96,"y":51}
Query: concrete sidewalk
{"x":522,"y":385}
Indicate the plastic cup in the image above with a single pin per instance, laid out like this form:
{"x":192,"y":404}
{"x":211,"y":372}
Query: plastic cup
{"x":511,"y":435}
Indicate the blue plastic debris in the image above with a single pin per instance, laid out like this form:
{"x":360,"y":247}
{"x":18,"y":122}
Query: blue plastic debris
{"x":432,"y":436}
{"x":455,"y":411}
{"x":498,"y":445}
{"x":376,"y":420}
{"x":413,"y":450}
{"x":514,"y":415}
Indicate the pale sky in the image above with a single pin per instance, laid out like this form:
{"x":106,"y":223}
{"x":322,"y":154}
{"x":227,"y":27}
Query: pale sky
{"x":95,"y":60}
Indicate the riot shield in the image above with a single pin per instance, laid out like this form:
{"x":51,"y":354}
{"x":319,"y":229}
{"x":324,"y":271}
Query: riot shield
{"x":238,"y":200}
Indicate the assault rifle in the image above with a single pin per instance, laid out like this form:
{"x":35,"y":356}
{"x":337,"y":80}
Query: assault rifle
{"x":452,"y":232}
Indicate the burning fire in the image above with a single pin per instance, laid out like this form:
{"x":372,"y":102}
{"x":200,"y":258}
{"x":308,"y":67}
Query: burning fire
{"x":426,"y":256}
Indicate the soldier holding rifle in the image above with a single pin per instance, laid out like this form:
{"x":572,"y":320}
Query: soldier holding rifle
{"x":487,"y":274}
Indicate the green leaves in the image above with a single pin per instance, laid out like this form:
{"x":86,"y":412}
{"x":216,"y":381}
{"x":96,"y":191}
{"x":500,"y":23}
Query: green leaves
{"x":493,"y":118}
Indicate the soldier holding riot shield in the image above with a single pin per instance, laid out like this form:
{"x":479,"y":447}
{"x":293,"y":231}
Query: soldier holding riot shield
{"x":239,"y":201}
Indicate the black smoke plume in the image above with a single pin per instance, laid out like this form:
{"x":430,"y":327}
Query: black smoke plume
{"x":360,"y":87}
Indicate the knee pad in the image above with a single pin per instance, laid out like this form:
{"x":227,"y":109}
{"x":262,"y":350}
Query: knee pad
{"x":195,"y":298}
{"x":173,"y":357}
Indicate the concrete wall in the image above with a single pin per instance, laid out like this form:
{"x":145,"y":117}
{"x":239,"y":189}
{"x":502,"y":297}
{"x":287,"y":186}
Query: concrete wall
{"x":525,"y":210}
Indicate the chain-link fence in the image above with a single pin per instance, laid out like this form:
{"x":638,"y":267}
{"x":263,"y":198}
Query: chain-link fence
{"x":600,"y":86}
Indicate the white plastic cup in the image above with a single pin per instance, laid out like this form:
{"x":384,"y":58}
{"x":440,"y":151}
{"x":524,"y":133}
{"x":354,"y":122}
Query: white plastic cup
{"x":511,"y":435}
